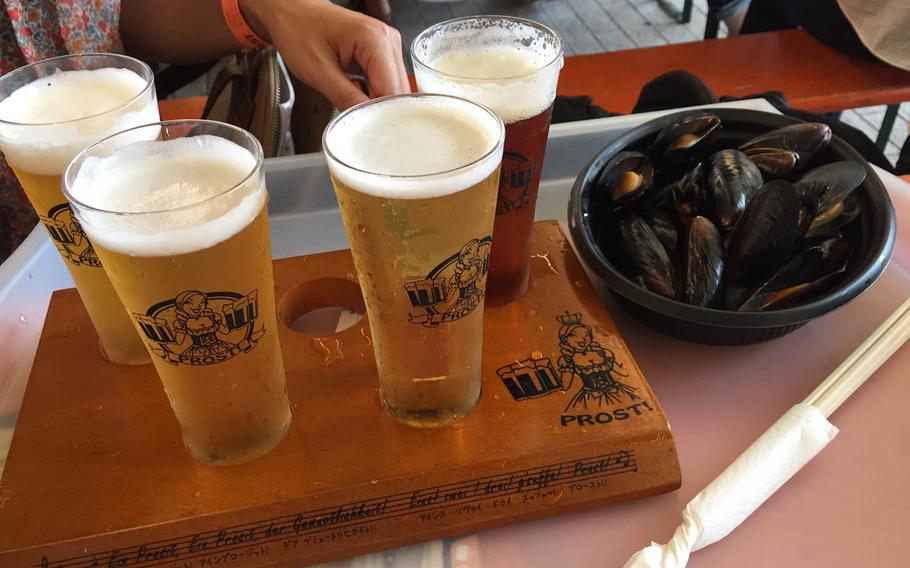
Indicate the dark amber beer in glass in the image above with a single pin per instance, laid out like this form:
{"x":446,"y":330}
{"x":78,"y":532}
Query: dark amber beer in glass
{"x":416,"y":178}
{"x":510,"y":65}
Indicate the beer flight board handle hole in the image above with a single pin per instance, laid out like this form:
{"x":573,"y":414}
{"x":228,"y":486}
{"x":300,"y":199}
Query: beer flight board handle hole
{"x":322,"y":307}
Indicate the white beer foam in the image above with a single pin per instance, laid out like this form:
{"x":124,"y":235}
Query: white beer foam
{"x":164,"y":198}
{"x":56,"y":117}
{"x":449,"y":143}
{"x":498,"y":75}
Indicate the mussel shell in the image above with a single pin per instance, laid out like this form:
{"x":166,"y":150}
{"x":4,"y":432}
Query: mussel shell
{"x":794,"y":295}
{"x":664,"y":228}
{"x":811,"y":270}
{"x":835,"y":251}
{"x":610,"y":242}
{"x":805,"y":138}
{"x":624,"y":180}
{"x":688,"y":195}
{"x":808,"y":211}
{"x":686,"y":138}
{"x":773,"y":162}
{"x":764,"y":233}
{"x":832,"y":183}
{"x":649,"y":258}
{"x":731,"y":179}
{"x":702,"y":263}
{"x":850,"y":209}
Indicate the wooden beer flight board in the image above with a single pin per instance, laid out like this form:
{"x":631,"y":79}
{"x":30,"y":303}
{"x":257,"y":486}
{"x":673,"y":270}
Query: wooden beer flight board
{"x":97,"y":474}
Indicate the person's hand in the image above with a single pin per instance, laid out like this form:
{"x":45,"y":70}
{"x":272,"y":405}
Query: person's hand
{"x":318,"y":40}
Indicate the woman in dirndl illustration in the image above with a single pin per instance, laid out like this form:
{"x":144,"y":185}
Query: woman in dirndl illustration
{"x":595,"y":366}
{"x":468,"y":272}
{"x":202,"y":324}
{"x":88,"y":256}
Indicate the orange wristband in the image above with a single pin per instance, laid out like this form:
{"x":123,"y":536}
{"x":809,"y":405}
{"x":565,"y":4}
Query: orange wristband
{"x":239,"y":27}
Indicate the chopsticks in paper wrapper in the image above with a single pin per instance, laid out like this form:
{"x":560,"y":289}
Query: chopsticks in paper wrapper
{"x":776,"y":456}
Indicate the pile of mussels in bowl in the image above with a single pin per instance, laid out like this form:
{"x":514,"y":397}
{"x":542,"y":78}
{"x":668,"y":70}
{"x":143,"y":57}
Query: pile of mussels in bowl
{"x":731,"y":226}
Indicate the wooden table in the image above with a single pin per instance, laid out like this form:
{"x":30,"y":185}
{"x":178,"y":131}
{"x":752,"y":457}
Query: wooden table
{"x":175,"y":109}
{"x":811,"y":75}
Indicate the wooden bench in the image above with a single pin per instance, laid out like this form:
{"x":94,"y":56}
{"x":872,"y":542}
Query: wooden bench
{"x":174,"y":109}
{"x":811,"y":75}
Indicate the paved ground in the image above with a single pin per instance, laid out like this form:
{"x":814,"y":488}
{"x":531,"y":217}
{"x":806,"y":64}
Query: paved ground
{"x":593,"y":26}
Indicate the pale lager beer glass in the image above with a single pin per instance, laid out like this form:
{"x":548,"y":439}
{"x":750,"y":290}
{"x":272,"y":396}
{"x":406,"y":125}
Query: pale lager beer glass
{"x":179,"y":219}
{"x":510,"y":65}
{"x":416,"y":179}
{"x":49,"y":112}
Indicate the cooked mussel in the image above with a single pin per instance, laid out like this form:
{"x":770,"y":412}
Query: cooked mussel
{"x":764,"y":233}
{"x":702,"y":264}
{"x":664,"y":228}
{"x":624,"y":180}
{"x":835,"y":218}
{"x":687,"y":137}
{"x":805,"y":138}
{"x":810,"y":271}
{"x":753,"y":228}
{"x":688,"y":195}
{"x":832,"y":183}
{"x":731,"y":179}
{"x":648,"y":256}
{"x":773,"y":162}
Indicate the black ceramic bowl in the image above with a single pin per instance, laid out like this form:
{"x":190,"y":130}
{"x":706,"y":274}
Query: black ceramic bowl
{"x":872,"y":238}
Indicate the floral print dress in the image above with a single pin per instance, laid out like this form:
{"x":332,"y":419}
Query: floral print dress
{"x":32,"y":30}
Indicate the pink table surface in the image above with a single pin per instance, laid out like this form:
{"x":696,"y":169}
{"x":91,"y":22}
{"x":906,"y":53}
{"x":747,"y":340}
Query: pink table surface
{"x":848,"y":507}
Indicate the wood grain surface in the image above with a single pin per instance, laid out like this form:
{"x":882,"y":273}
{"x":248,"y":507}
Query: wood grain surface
{"x":97,"y":474}
{"x":811,"y":75}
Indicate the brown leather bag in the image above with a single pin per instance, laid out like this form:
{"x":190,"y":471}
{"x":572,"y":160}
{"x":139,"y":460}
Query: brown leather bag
{"x":254,"y":91}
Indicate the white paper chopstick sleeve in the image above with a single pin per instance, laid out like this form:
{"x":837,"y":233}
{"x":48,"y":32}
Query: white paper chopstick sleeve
{"x":740,"y":489}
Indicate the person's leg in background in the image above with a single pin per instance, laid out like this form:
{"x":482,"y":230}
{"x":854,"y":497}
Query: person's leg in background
{"x":730,"y":12}
{"x":823,"y":19}
{"x":903,"y":160}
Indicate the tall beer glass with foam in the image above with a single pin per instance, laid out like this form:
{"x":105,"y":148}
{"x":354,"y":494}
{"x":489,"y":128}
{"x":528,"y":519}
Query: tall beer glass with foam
{"x":416,"y":179}
{"x":49,"y":112}
{"x":180,"y":221}
{"x":510,"y":65}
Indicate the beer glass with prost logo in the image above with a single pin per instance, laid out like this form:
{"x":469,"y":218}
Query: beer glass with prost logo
{"x":179,"y":221}
{"x":510,"y":65}
{"x":49,"y":112}
{"x":416,"y":178}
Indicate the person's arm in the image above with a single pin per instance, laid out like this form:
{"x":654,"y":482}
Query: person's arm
{"x":175,"y":31}
{"x":316,"y":38}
